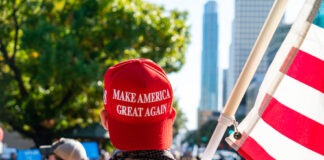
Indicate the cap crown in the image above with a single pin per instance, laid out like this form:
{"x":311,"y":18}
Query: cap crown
{"x":137,"y":92}
{"x":70,"y":149}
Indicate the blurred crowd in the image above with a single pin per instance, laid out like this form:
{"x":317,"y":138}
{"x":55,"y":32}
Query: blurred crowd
{"x":70,"y":149}
{"x":139,"y":117}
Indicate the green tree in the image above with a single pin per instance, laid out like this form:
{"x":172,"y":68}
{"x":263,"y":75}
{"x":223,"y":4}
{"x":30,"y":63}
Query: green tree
{"x":202,"y":135}
{"x":180,"y":120}
{"x":53,"y":55}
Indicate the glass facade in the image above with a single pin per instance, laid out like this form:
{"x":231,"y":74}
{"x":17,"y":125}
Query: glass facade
{"x":319,"y":19}
{"x":276,"y":41}
{"x":248,"y":21}
{"x":209,"y":63}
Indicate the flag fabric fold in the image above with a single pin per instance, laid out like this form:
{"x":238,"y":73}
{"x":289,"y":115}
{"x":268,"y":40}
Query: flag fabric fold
{"x":287,"y":120}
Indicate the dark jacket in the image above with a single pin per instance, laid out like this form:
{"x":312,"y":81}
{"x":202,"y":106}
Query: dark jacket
{"x":143,"y":155}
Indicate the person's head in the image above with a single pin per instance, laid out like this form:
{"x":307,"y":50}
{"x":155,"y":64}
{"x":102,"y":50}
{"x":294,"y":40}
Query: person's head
{"x":52,"y":157}
{"x":67,"y":149}
{"x":13,"y":156}
{"x":138,"y":106}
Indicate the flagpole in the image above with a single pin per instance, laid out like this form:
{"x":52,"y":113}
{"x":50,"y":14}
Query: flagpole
{"x":246,"y":75}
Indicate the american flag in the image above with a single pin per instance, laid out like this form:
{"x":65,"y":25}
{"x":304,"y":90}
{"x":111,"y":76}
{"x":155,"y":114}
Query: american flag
{"x":287,"y":120}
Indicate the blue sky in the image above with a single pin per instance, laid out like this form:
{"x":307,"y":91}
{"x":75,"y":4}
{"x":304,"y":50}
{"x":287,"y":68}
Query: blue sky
{"x":186,"y":82}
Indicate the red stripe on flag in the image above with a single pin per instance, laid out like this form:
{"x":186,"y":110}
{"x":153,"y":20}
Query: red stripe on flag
{"x":295,"y":126}
{"x":250,"y":150}
{"x":308,"y":69}
{"x":289,"y":59}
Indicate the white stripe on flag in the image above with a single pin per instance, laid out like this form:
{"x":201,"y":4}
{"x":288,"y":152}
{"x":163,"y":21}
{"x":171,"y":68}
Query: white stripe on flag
{"x":314,"y":41}
{"x":279,"y":146}
{"x":292,"y":121}
{"x":301,"y":98}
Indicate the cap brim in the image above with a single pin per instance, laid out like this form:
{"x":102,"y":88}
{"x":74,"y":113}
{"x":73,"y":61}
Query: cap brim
{"x":152,"y":136}
{"x":46,"y":150}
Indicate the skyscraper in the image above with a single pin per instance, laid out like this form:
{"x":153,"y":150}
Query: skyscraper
{"x":276,"y":41}
{"x":319,"y":19}
{"x":248,"y":21}
{"x":209,"y":66}
{"x":224,"y":91}
{"x":209,"y":63}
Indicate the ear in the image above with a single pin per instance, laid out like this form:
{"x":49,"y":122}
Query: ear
{"x":104,"y":118}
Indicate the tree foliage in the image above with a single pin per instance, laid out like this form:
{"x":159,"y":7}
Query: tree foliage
{"x":180,"y":120}
{"x":202,"y":135}
{"x":53,"y":55}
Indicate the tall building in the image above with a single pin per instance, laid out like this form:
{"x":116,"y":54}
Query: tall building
{"x":209,"y":65}
{"x":225,"y":81}
{"x":319,"y":19}
{"x":248,"y":21}
{"x":276,"y":41}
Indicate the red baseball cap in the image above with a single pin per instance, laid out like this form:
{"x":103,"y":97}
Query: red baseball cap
{"x":138,"y":100}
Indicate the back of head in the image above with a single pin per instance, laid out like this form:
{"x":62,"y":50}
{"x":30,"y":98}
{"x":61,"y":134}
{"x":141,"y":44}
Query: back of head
{"x":69,"y":149}
{"x":138,"y":100}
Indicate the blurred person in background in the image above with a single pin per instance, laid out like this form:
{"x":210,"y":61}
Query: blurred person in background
{"x":104,"y":155}
{"x":13,"y":156}
{"x":51,"y":157}
{"x":138,"y":110}
{"x":66,"y":149}
{"x":1,"y":144}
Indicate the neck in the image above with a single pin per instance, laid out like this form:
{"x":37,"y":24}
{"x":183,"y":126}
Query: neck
{"x":143,"y":154}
